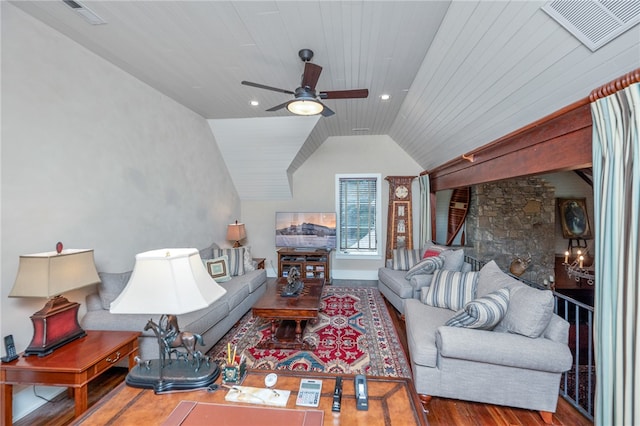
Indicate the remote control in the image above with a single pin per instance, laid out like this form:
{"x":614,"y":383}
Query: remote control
{"x":337,"y":396}
{"x":362,"y":394}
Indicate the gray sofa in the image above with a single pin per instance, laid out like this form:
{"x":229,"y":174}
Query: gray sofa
{"x":404,"y":278}
{"x":211,"y":323}
{"x":517,"y":362}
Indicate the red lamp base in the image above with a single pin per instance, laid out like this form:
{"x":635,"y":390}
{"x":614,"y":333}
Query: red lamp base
{"x":54,"y":326}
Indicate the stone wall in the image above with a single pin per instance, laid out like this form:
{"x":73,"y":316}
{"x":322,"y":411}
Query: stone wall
{"x":511,"y":218}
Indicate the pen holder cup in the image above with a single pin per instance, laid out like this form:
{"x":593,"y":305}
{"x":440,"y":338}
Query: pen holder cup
{"x":234,"y":374}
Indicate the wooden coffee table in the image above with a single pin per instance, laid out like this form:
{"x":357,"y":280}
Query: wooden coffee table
{"x":393,"y":401}
{"x":73,"y":365}
{"x":288,"y":315}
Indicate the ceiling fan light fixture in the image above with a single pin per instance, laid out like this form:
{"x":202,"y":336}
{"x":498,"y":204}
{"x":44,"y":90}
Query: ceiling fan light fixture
{"x":305,"y":107}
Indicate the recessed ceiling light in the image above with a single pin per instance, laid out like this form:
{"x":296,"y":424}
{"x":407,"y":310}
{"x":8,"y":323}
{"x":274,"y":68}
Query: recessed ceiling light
{"x":385,"y":97}
{"x":254,"y":103}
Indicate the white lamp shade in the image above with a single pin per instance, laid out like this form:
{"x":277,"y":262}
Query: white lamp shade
{"x":51,"y":274}
{"x":168,"y":281}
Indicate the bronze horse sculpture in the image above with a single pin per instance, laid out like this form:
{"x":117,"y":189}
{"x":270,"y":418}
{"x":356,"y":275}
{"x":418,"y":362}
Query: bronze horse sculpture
{"x":170,"y":338}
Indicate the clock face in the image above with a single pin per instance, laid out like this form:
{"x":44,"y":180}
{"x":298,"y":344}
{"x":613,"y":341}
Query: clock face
{"x":402,"y":191}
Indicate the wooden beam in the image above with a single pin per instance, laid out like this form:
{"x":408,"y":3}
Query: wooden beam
{"x":561,"y":141}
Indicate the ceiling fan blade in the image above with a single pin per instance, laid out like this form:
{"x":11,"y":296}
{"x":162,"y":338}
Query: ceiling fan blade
{"x":277,"y":107}
{"x":326,"y":112}
{"x":262,"y":86}
{"x":311,"y":75}
{"x":344,"y":94}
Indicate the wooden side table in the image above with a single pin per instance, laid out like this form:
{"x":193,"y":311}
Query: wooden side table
{"x":74,"y":365}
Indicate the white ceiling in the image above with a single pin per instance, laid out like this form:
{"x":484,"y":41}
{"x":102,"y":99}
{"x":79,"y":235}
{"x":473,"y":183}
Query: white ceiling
{"x":460,"y":74}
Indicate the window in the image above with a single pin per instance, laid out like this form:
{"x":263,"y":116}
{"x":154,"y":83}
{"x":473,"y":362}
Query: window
{"x":358,"y":207}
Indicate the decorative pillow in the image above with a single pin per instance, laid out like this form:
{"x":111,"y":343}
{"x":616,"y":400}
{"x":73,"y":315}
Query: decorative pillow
{"x":451,"y":289}
{"x":529,"y":311}
{"x":425,"y":266}
{"x":248,"y":259}
{"x":111,"y":285}
{"x":482,"y":313}
{"x":453,"y":259}
{"x":404,"y":259}
{"x":218,"y":268}
{"x":434,"y":250}
{"x":235,"y":258}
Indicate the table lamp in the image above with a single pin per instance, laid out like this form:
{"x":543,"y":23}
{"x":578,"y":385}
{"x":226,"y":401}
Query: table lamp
{"x":170,"y":281}
{"x":47,"y":275}
{"x":236,"y":232}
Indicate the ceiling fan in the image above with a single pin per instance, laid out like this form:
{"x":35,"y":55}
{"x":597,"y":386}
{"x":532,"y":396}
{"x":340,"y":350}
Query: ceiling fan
{"x":306,"y":100}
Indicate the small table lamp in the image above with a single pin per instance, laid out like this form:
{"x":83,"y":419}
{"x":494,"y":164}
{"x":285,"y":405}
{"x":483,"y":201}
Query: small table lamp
{"x":50,"y":274}
{"x":169,"y":281}
{"x":236,"y":232}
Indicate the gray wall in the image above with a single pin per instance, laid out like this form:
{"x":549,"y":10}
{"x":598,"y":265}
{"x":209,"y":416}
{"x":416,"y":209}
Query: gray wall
{"x":314,"y":190}
{"x":96,"y":159}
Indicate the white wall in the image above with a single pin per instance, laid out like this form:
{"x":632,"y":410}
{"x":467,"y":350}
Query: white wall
{"x":96,"y":159}
{"x":314,"y":190}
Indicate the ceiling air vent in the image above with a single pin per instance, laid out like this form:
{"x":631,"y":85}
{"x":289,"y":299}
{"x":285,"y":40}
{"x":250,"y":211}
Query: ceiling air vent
{"x":86,"y":13}
{"x":594,"y":22}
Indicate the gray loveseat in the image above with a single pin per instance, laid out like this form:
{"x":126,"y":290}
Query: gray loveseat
{"x":518,"y":362}
{"x":211,"y":323}
{"x":408,"y":272}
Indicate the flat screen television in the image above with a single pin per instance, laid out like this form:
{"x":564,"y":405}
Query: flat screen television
{"x":304,"y":230}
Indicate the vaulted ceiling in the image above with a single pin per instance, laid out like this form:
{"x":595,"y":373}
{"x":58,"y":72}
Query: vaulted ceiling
{"x":460,"y":74}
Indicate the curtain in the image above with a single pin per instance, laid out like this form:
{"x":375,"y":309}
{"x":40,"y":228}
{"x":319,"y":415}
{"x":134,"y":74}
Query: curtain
{"x":616,"y":172}
{"x":425,"y":210}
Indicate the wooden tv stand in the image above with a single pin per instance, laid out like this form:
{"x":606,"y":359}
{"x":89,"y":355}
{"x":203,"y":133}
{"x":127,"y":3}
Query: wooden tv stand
{"x":311,"y":263}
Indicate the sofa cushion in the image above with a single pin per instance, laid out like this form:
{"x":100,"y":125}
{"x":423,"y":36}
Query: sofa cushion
{"x":421,"y":323}
{"x":482,"y":313}
{"x":218,"y":268}
{"x":111,"y":285}
{"x":492,"y":278}
{"x":404,"y":259}
{"x":453,"y":259}
{"x":425,"y":266}
{"x":236,"y":259}
{"x":529,"y":311}
{"x":237,"y":291}
{"x":396,"y":282}
{"x":451,"y":289}
{"x":253,"y":280}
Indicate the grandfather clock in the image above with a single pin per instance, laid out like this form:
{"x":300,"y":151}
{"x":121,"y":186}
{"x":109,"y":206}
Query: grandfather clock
{"x":400,"y":219}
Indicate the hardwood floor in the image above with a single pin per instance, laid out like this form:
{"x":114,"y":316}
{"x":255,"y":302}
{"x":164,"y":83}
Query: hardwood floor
{"x":442,"y":411}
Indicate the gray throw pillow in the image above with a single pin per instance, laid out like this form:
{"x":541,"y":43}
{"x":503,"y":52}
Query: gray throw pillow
{"x":529,"y":311}
{"x":111,"y":285}
{"x":453,"y":259}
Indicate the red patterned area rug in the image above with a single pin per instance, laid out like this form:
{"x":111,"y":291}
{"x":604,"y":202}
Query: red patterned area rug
{"x":354,"y":334}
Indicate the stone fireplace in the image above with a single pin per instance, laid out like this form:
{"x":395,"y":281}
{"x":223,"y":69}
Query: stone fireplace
{"x":512,"y":218}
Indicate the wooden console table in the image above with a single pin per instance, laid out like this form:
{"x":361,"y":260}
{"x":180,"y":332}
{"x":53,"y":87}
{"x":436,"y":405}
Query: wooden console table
{"x":392,"y":401}
{"x":73,"y":365}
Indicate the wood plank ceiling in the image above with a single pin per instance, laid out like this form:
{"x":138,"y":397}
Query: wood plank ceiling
{"x":460,"y":74}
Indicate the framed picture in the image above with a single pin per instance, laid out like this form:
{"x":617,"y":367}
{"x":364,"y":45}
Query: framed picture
{"x":574,"y":218}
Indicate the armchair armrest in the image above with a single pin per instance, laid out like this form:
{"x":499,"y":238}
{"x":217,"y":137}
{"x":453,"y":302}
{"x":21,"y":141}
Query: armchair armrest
{"x":499,"y":348}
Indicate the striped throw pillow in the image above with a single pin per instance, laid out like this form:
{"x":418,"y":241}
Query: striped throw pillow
{"x":483,"y":313}
{"x":425,"y":266}
{"x":404,"y":259}
{"x":236,"y":259}
{"x":451,"y":289}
